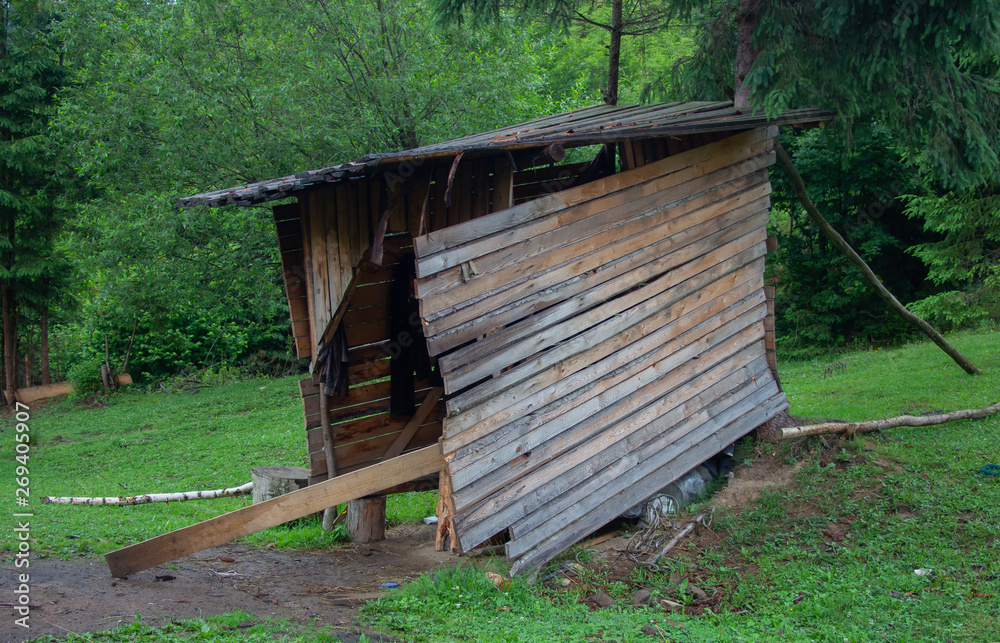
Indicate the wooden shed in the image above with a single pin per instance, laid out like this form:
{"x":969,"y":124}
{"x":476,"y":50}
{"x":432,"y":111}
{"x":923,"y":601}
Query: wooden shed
{"x":575,"y":335}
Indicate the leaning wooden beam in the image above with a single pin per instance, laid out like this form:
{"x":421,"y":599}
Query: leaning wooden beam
{"x":429,"y":404}
{"x":859,"y":263}
{"x":334,"y":323}
{"x":850,"y":428}
{"x":241,"y":490}
{"x":276,"y":511}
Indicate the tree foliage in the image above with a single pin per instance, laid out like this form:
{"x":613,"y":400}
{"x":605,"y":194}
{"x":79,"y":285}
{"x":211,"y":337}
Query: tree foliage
{"x":31,"y":272}
{"x":175,"y":98}
{"x":821,"y":299}
{"x":927,"y":69}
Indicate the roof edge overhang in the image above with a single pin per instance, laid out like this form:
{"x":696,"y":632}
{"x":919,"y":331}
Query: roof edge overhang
{"x":588,"y":126}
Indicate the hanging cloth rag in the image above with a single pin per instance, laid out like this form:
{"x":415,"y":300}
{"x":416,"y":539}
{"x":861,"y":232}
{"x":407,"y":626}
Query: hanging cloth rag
{"x":409,"y":359}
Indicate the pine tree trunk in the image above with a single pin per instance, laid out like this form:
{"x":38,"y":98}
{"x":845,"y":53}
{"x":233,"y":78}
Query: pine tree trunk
{"x":747,"y":19}
{"x":43,"y":349}
{"x":614,"y":53}
{"x":8,"y":344}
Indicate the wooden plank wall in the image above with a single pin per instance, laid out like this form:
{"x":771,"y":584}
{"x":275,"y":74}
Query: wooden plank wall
{"x":288,"y":224}
{"x":362,"y":427}
{"x":599,"y":342}
{"x":337,"y":224}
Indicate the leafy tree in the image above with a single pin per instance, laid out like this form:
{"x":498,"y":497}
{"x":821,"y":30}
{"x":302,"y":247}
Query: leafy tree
{"x":173,"y":98}
{"x":30,"y":74}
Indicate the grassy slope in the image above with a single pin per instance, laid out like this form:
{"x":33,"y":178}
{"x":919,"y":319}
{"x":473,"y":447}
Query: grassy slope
{"x":913,"y":499}
{"x":152,"y":443}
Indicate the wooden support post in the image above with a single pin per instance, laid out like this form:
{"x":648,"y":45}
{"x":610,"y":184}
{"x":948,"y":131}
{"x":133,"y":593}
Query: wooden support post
{"x":366,"y":519}
{"x":271,"y":482}
{"x":446,"y":516}
{"x":330,"y":513}
{"x":769,"y":345}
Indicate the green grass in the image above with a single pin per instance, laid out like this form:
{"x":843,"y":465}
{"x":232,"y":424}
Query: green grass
{"x":908,"y":500}
{"x":831,"y":558}
{"x":227,"y":628}
{"x":139,"y":443}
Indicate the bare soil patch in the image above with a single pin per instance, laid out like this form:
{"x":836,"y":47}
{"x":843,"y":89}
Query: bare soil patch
{"x":323,"y":587}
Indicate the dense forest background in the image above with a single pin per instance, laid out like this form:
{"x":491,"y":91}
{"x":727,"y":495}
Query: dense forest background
{"x":110,"y":110}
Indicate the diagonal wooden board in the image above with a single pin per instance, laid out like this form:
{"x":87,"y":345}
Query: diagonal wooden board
{"x":222,"y":529}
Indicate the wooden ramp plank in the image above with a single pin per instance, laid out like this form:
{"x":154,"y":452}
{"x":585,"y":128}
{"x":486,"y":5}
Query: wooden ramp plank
{"x":222,"y":529}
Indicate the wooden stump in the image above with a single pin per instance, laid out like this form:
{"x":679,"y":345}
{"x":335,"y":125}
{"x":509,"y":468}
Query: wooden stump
{"x":271,"y":482}
{"x":447,"y":537}
{"x":366,"y":519}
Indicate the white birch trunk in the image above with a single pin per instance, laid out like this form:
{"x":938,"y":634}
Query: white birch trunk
{"x":152,"y":497}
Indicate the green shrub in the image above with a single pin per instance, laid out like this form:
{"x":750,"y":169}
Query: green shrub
{"x":85,"y":376}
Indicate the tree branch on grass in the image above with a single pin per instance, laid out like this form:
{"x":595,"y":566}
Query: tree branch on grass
{"x":851,"y":428}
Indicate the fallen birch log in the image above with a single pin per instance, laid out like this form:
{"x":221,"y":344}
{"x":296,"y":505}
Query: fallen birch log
{"x":242,"y":490}
{"x":850,"y":428}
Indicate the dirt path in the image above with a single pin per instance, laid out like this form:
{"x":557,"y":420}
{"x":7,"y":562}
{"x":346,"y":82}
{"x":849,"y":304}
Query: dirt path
{"x":324,"y":587}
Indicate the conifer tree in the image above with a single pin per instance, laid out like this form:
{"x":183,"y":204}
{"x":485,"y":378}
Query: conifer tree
{"x":30,"y":73}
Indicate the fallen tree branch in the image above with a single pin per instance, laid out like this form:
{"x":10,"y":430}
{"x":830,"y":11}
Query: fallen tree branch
{"x":866,"y":272}
{"x":850,"y":428}
{"x":242,"y":490}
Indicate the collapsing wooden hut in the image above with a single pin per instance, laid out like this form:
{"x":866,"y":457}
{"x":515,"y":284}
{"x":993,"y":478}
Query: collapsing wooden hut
{"x":576,"y":335}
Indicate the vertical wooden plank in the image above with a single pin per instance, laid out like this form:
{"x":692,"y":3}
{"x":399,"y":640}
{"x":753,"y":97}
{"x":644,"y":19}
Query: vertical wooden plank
{"x":503,"y":184}
{"x":415,"y":203}
{"x":439,"y":213}
{"x":307,"y":270}
{"x":334,"y":287}
{"x":446,"y":516}
{"x":345,"y":242}
{"x":769,"y":346}
{"x":638,"y":153}
{"x":461,"y":192}
{"x":661,"y":148}
{"x":397,"y":217}
{"x":480,"y":185}
{"x":376,"y":201}
{"x":321,"y":278}
{"x":349,"y":193}
{"x":364,"y":216}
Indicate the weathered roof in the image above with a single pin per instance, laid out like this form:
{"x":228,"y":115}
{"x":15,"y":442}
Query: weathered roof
{"x":587,"y":126}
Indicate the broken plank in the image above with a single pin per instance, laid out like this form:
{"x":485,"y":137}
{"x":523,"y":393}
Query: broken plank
{"x":224,"y":528}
